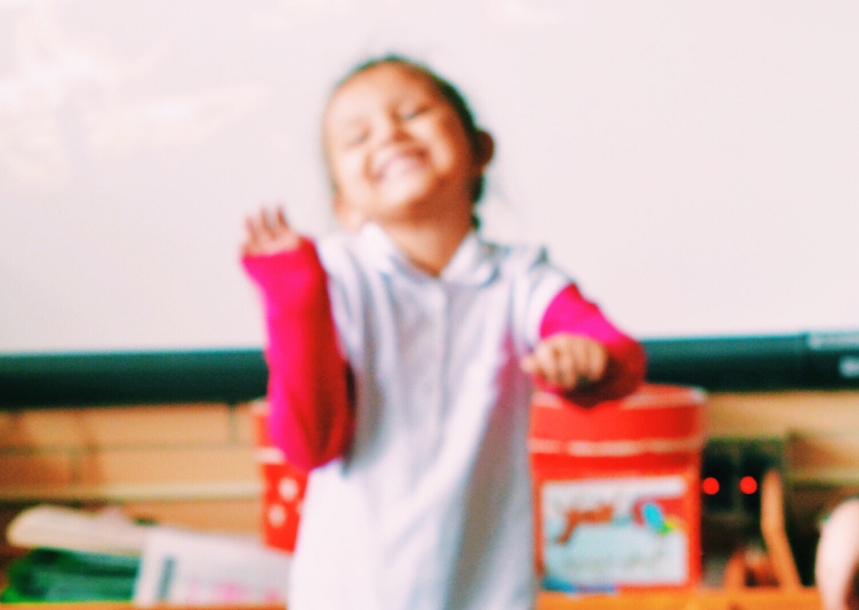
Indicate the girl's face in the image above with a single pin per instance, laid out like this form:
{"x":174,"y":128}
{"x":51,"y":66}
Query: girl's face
{"x":397,"y":149}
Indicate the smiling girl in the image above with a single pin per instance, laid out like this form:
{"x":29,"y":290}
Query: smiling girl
{"x":402,"y":358}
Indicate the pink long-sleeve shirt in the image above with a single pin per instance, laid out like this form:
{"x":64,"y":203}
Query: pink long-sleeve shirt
{"x":310,"y":389}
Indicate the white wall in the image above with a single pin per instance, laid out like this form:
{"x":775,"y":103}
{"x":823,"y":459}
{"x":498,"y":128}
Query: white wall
{"x":694,"y":165}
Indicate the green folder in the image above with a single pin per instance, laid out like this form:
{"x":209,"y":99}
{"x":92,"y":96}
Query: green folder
{"x":49,"y":575}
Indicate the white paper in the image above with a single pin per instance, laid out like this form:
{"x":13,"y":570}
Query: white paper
{"x":201,"y":569}
{"x":109,"y":532}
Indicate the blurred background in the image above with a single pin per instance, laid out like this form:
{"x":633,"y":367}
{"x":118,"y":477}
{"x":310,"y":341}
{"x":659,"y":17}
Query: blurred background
{"x":692,"y":165}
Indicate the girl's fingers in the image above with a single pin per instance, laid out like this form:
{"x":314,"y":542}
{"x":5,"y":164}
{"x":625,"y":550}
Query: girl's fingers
{"x":268,"y":232}
{"x":280,"y":218}
{"x":251,"y":229}
{"x":252,"y":237}
{"x":547,"y":362}
{"x":568,"y":371}
{"x":278,"y":228}
{"x":583,"y":362}
{"x":267,"y":224}
{"x":556,"y":360}
{"x":542,"y":363}
{"x":598,"y":361}
{"x":567,"y":361}
{"x":529,"y":364}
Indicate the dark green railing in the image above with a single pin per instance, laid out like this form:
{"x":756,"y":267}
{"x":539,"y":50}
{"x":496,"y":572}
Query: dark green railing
{"x":716,"y":364}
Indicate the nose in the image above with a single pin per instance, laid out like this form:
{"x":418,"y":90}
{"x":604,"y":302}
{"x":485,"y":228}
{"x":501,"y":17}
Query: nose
{"x":390,"y":128}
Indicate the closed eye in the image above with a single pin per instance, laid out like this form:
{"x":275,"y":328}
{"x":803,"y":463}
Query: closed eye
{"x":356,"y":138}
{"x":411,"y":113}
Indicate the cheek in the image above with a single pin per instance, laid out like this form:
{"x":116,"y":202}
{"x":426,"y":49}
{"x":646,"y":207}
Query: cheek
{"x":456,"y":143}
{"x":347,"y":170}
{"x":456,"y":132}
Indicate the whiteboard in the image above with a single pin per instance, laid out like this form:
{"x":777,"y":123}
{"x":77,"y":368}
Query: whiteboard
{"x":692,"y":165}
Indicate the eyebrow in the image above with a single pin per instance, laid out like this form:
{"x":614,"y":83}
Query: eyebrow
{"x":423,"y":95}
{"x":334,"y":124}
{"x":349,"y":123}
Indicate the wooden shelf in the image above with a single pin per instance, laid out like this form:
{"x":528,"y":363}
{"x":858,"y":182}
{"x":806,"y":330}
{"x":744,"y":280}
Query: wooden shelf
{"x":745,"y":599}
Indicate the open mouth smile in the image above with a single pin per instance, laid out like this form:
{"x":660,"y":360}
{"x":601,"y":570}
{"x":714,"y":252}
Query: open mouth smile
{"x":400,"y":163}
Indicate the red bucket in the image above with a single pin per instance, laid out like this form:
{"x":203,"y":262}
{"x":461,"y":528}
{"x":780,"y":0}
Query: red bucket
{"x":616,"y":490}
{"x":284,"y":487}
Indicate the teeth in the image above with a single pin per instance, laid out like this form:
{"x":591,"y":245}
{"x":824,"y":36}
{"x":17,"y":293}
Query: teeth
{"x":400,"y":164}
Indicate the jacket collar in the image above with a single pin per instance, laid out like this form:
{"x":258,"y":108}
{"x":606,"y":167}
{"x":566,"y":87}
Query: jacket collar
{"x":475,"y":262}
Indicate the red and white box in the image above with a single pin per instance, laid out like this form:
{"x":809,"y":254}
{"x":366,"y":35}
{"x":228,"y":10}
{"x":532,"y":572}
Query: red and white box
{"x":283,"y":490}
{"x":617,"y":490}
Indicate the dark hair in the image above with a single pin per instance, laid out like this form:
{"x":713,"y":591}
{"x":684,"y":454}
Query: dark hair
{"x":449,"y":92}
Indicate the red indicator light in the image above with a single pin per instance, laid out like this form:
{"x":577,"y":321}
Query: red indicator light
{"x":710,"y":486}
{"x":748,"y":485}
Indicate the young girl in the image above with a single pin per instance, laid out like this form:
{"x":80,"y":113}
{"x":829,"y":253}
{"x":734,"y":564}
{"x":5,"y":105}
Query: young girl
{"x":836,"y":567}
{"x":401,"y":360}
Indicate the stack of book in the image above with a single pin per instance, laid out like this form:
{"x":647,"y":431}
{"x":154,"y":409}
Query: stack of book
{"x":73,"y":556}
{"x":49,"y":575}
{"x":79,"y":556}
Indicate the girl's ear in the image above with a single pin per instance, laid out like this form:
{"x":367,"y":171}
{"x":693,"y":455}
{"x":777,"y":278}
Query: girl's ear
{"x":484,"y":148}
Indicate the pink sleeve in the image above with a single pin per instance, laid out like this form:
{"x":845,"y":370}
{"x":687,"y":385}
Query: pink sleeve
{"x":312,"y":416}
{"x":570,"y":312}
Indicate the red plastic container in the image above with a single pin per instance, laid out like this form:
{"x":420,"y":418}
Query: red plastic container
{"x":283,"y":490}
{"x":616,"y":490}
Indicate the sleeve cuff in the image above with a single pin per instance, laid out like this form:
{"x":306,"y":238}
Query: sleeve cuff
{"x":293,"y":276}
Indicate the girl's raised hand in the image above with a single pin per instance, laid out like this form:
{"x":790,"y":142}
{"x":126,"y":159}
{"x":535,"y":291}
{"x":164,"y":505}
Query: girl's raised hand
{"x":569,"y":362}
{"x":268,"y":233}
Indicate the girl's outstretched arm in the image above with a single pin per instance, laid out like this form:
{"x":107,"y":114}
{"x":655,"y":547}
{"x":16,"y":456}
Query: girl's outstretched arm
{"x":582,"y":355}
{"x":312,"y":415}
